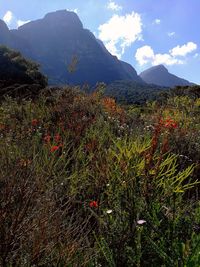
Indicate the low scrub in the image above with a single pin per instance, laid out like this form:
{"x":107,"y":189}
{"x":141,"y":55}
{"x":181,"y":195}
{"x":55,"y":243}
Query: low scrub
{"x":86,"y":182}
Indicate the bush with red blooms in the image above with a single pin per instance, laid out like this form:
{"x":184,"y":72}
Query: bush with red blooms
{"x":93,"y":204}
{"x":168,"y":123}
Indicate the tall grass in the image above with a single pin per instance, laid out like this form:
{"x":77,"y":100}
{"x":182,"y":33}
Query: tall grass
{"x":85,"y":182}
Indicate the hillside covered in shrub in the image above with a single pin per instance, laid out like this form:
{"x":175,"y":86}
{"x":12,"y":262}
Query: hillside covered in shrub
{"x":19,"y":75}
{"x":87,"y":182}
{"x":130,"y":92}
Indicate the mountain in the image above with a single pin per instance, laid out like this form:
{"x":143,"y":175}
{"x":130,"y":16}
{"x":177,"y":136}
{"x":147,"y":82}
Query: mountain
{"x":66,"y":51}
{"x":159,"y":75}
{"x":4,"y":33}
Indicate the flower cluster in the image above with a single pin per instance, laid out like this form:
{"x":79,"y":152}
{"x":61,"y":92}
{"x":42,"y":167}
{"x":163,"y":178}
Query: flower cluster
{"x":57,"y":141}
{"x":169,"y":123}
{"x":93,"y":204}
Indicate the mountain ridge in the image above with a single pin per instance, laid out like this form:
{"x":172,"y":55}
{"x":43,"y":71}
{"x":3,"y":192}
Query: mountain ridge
{"x":54,"y":40}
{"x":59,"y":40}
{"x":159,"y":75}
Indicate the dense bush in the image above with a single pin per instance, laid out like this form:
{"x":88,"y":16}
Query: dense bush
{"x":131,"y":92}
{"x":85,"y":182}
{"x":19,"y":75}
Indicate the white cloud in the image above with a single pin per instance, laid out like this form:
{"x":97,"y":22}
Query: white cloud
{"x":146,"y":55}
{"x":111,"y":47}
{"x":196,"y":55}
{"x":171,"y":34}
{"x":166,"y":59}
{"x":157,"y":21}
{"x":75,"y":10}
{"x":10,"y":18}
{"x":7,"y":18}
{"x":120,"y":32}
{"x":183,"y":50}
{"x":22,"y":22}
{"x":113,"y":6}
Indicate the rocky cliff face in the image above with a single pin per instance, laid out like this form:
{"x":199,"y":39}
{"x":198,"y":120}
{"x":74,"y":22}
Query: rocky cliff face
{"x":159,"y":75}
{"x":4,"y":33}
{"x":58,"y":42}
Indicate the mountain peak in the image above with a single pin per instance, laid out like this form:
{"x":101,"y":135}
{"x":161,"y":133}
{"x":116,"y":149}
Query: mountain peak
{"x":65,"y":17}
{"x":59,"y":41}
{"x":160,"y":75}
{"x":160,"y":67}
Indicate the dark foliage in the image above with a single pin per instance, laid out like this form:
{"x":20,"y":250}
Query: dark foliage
{"x":130,"y":92}
{"x":19,"y":76}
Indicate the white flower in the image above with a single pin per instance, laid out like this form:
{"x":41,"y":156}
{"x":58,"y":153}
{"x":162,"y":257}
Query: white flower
{"x":109,"y":211}
{"x":141,"y":222}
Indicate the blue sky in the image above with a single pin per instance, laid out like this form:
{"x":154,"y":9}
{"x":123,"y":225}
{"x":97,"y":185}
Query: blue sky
{"x":141,"y":32}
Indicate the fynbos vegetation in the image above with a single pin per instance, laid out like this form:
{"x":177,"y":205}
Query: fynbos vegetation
{"x":86,"y":182}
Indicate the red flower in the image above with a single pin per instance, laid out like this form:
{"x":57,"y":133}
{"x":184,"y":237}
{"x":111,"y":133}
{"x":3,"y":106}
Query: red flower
{"x":34,"y":122}
{"x":93,"y":204}
{"x":169,"y":123}
{"x":54,"y":148}
{"x":174,"y":125}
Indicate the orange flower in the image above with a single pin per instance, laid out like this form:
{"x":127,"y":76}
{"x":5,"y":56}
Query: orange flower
{"x":93,"y":204}
{"x":169,"y":123}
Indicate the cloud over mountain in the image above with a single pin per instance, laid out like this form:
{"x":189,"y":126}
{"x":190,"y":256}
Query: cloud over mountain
{"x":183,"y":50}
{"x":119,"y":32}
{"x":8,"y":17}
{"x":176,"y":55}
{"x":22,"y":22}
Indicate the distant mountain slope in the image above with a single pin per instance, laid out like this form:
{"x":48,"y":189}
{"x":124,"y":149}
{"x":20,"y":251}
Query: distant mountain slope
{"x":159,"y":75}
{"x":130,"y":92}
{"x":131,"y":72}
{"x":5,"y":34}
{"x":58,"y":41}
